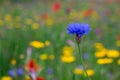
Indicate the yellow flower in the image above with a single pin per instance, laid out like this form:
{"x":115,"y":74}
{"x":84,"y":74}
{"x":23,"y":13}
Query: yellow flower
{"x":13,"y":61}
{"x":78,"y":71}
{"x":68,"y":59}
{"x":51,"y":57}
{"x":90,"y":72}
{"x":99,"y":46}
{"x":1,"y":23}
{"x":27,"y":77}
{"x":43,"y":56}
{"x":28,"y":21}
{"x":8,"y":18}
{"x":35,"y":25}
{"x":118,"y":61}
{"x":49,"y":22}
{"x":6,"y":78}
{"x":37,"y":44}
{"x":113,"y":54}
{"x":104,"y":61}
{"x":101,"y":53}
{"x":17,"y":25}
{"x":69,"y":48}
{"x":118,"y":43}
{"x":47,"y":43}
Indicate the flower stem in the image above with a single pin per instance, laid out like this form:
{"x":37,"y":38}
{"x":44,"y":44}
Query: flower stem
{"x":79,"y":49}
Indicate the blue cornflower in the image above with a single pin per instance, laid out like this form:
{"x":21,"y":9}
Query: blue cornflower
{"x":11,"y":73}
{"x":79,"y":29}
{"x":49,"y":71}
{"x":20,"y":72}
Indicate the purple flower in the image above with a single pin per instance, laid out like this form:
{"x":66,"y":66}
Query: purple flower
{"x":29,"y":50}
{"x":20,"y":72}
{"x":49,"y":71}
{"x":11,"y":73}
{"x":79,"y":29}
{"x":85,"y":56}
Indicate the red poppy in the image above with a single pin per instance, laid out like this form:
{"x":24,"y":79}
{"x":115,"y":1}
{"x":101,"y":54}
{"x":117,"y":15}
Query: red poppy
{"x":31,"y":64}
{"x":87,"y":12}
{"x":56,"y":6}
{"x":39,"y":78}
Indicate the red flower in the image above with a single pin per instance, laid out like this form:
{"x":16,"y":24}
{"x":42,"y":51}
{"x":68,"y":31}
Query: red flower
{"x":31,"y":64}
{"x":39,"y":78}
{"x":56,"y":6}
{"x":87,"y":12}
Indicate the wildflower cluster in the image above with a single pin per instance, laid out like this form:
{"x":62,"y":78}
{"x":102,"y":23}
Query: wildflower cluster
{"x":105,"y":56}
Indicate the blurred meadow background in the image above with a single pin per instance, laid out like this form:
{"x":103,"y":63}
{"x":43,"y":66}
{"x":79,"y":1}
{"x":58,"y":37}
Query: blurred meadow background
{"x":34,"y":42}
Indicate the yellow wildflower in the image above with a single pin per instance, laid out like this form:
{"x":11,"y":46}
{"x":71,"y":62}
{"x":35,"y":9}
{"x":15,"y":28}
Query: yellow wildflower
{"x":99,"y":46}
{"x":43,"y":56}
{"x":35,"y":25}
{"x":67,"y":53}
{"x":8,"y":17}
{"x":13,"y":61}
{"x":78,"y":71}
{"x":118,"y":61}
{"x":68,"y":59}
{"x":1,"y":23}
{"x":6,"y":78}
{"x":68,"y":48}
{"x":113,"y":54}
{"x":90,"y":72}
{"x":118,"y":43}
{"x":27,"y":77}
{"x":49,"y":22}
{"x":104,"y":61}
{"x":17,"y":25}
{"x":47,"y":43}
{"x":37,"y":44}
{"x":101,"y":53}
{"x":28,"y":21}
{"x":51,"y":57}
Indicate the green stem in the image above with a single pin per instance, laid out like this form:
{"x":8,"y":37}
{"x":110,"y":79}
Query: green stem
{"x":79,"y":49}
